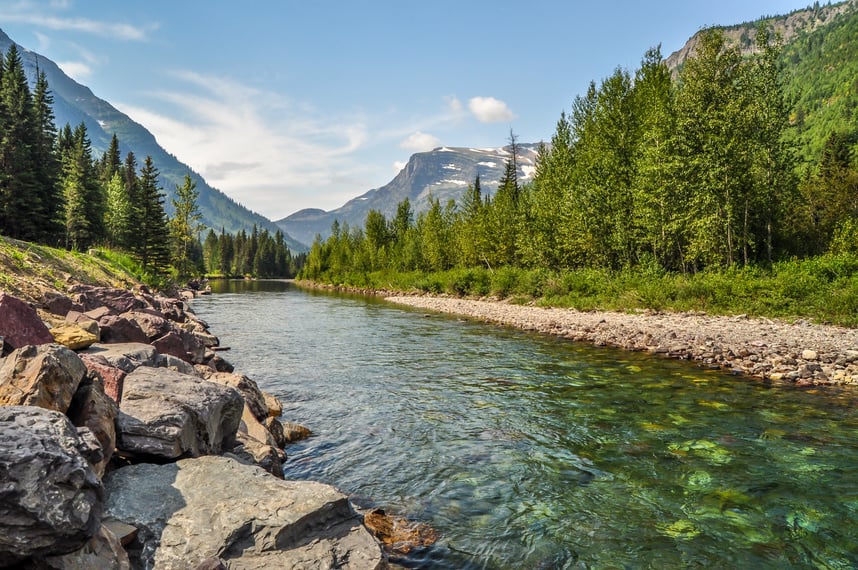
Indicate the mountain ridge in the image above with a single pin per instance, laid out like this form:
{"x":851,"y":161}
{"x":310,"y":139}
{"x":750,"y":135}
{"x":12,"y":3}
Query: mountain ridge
{"x":75,"y":103}
{"x":442,"y":173}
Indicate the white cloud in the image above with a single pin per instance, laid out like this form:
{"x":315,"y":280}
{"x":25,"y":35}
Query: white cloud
{"x":33,"y":13}
{"x":77,"y":70}
{"x":420,"y":142}
{"x":490,"y":110}
{"x":265,"y":151}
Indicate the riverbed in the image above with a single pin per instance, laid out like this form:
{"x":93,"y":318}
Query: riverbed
{"x":526,"y":450}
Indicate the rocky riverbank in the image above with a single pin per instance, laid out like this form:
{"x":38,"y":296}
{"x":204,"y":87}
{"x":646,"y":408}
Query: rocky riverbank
{"x":801,"y":353}
{"x":127,"y":441}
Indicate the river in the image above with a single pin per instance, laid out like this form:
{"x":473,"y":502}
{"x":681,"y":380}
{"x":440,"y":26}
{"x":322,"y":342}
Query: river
{"x":526,"y":451}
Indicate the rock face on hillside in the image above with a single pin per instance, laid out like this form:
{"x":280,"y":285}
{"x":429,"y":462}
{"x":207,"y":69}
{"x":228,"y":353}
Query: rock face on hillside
{"x":193,"y":510}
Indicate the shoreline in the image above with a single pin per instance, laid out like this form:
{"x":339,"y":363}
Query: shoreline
{"x":801,"y":353}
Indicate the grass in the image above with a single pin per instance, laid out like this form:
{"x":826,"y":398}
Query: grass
{"x":822,"y":289}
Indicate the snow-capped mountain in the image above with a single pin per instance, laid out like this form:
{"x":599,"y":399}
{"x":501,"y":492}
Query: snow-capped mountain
{"x":443,"y":173}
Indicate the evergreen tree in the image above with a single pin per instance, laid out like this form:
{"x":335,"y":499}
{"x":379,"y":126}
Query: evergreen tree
{"x":47,"y":171}
{"x":151,"y":244}
{"x":185,"y":225}
{"x":131,"y":185}
{"x":20,"y":196}
{"x":119,"y":212}
{"x":211,"y":252}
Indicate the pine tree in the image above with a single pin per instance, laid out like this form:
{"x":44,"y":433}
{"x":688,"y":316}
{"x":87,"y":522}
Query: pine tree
{"x":95,"y":194}
{"x":151,"y":245}
{"x":47,"y":165}
{"x":20,"y":196}
{"x":119,"y":212}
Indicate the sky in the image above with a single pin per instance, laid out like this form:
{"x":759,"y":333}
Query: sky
{"x":286,"y":104}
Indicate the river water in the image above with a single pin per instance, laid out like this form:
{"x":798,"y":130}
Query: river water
{"x":525,"y":451}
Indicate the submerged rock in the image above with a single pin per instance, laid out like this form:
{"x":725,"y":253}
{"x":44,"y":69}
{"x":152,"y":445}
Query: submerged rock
{"x":211,"y":507}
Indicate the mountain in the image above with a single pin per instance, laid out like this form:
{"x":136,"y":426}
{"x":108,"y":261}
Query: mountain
{"x":75,"y":103}
{"x":442,"y":173}
{"x":820,"y":66}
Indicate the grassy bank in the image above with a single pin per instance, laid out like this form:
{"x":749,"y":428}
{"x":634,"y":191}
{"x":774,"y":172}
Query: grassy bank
{"x":27,"y":269}
{"x":822,"y":289}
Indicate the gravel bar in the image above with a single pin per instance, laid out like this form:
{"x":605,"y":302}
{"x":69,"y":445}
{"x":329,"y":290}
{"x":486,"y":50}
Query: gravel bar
{"x":799,"y":353}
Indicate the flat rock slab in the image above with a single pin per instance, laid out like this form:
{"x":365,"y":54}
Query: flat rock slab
{"x":216,"y":507}
{"x":126,"y":356}
{"x":168,"y":414}
{"x":50,"y":499}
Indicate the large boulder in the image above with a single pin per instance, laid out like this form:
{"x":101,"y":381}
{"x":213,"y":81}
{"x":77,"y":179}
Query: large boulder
{"x":214,"y":507}
{"x":152,"y":323}
{"x":20,"y":325}
{"x":168,"y":414}
{"x":103,"y":552}
{"x":46,"y":376}
{"x":126,"y":356}
{"x":56,"y":303}
{"x":51,"y":499}
{"x":94,"y":409}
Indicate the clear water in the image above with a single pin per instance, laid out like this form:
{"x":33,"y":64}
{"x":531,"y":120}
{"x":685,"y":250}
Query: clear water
{"x":526,"y":451}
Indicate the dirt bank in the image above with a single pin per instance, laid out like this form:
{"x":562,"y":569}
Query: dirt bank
{"x":800,"y":353}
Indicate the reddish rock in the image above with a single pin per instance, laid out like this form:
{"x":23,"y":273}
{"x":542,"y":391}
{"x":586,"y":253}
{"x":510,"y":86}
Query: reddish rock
{"x":56,"y":303}
{"x":116,"y":329}
{"x":112,"y":378}
{"x":152,"y":323}
{"x":91,"y":407}
{"x":117,"y":300}
{"x":97,"y":313}
{"x":171,"y":343}
{"x":20,"y":325}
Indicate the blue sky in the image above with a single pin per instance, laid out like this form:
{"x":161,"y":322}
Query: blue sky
{"x":288,"y":104}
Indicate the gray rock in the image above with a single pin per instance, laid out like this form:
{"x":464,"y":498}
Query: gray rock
{"x":169,"y":414}
{"x":103,"y":551}
{"x":215,"y":507}
{"x":94,"y":409}
{"x":51,"y":499}
{"x":177,"y":364}
{"x":46,"y":376}
{"x":126,"y":356}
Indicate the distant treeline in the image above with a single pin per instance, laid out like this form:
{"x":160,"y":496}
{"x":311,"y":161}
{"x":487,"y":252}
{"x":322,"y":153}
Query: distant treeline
{"x":645,"y":171}
{"x":53,"y":191}
{"x":260,"y":254}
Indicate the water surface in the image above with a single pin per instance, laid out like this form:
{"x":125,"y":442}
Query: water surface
{"x":526,"y":451}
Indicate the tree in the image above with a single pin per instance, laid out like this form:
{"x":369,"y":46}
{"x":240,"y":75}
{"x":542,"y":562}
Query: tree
{"x":185,"y":225}
{"x":20,"y":197}
{"x":152,"y":237}
{"x":47,"y":166}
{"x":117,"y":220}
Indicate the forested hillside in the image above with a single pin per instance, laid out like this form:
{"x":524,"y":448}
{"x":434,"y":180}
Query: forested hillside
{"x":739,"y":158}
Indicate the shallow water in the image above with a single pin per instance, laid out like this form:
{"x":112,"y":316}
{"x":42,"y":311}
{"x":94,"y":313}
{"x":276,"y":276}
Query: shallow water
{"x":526,"y":451}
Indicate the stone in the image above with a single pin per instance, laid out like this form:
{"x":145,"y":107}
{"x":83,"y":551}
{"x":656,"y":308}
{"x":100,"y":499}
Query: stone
{"x":112,"y":378}
{"x":809,"y":355}
{"x":153,"y":324}
{"x":177,"y":364}
{"x":220,"y":364}
{"x":103,"y":551}
{"x":46,"y":376}
{"x":253,"y":396}
{"x":56,"y":303}
{"x":206,"y":339}
{"x":274,"y":405}
{"x":171,"y":343}
{"x":168,"y":414}
{"x":84,"y":321}
{"x":117,"y":329}
{"x":52,"y":500}
{"x":196,"y":509}
{"x":251,"y":451}
{"x":126,"y":356}
{"x":212,"y":563}
{"x":397,"y":534}
{"x":275,"y":428}
{"x":95,"y":314}
{"x":94,"y":409}
{"x":193,"y":346}
{"x":117,"y":300}
{"x":73,"y":336}
{"x":20,"y":325}
{"x":293,"y":432}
